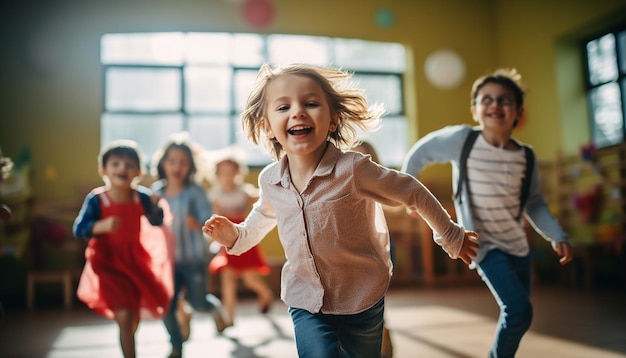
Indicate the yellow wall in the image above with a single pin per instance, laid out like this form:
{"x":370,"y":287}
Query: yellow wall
{"x":542,"y":39}
{"x":51,"y":93}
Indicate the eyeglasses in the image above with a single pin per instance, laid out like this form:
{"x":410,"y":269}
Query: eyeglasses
{"x":501,"y":101}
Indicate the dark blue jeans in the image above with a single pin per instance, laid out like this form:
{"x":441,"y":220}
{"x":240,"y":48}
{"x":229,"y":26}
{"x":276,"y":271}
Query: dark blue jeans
{"x":193,"y":277}
{"x":321,"y":335}
{"x":508,"y":278}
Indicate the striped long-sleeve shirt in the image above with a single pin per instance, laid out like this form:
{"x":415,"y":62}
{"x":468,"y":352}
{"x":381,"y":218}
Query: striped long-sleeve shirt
{"x":445,"y":146}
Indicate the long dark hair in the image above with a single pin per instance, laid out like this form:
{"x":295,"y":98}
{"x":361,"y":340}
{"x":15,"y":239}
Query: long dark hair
{"x":187,"y":150}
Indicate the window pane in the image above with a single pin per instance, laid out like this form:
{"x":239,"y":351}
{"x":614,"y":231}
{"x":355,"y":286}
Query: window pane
{"x":208,"y":89}
{"x":286,"y":49}
{"x":359,"y":55}
{"x":606,"y":112}
{"x":247,"y":50}
{"x":149,"y":131}
{"x":390,"y":140}
{"x":211,"y":48}
{"x":386,"y":89}
{"x":243,"y":84}
{"x":602,"y":61}
{"x":623,"y":86}
{"x":211,"y":132}
{"x":146,"y":49}
{"x":621,"y":38}
{"x":217,"y":71}
{"x":142,"y":89}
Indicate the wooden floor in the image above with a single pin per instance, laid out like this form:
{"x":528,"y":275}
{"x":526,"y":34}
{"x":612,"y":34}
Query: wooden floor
{"x":432,"y":323}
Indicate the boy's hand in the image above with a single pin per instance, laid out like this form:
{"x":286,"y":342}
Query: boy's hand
{"x":221,"y":230}
{"x":5,"y":213}
{"x":106,"y":225}
{"x":564,"y":250}
{"x":469,"y":247}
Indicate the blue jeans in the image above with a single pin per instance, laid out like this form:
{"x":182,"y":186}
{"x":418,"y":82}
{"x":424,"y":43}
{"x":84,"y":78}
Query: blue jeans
{"x":508,"y":278}
{"x":193,"y":277}
{"x":320,"y":335}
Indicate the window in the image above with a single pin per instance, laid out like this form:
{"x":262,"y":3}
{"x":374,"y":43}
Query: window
{"x":606,"y":87}
{"x":156,"y":84}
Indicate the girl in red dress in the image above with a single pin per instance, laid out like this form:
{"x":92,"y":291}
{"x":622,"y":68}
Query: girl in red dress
{"x":233,"y":198}
{"x":128,"y":270}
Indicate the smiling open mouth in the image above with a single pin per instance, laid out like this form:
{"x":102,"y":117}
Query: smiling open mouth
{"x":300,"y":130}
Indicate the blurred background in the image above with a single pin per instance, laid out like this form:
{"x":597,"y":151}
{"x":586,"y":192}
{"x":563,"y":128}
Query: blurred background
{"x":77,"y":74}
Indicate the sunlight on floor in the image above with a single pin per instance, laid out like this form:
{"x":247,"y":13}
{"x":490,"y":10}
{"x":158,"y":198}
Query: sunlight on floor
{"x":253,"y":336}
{"x":417,"y":331}
{"x":442,"y":332}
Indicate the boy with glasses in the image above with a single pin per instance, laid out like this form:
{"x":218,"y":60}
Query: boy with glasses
{"x":496,"y":182}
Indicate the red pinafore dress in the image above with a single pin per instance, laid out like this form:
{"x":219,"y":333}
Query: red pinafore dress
{"x":131,"y":268}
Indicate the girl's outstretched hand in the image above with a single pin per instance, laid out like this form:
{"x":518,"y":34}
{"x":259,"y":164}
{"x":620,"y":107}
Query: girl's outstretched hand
{"x":221,"y":230}
{"x":469,"y":247}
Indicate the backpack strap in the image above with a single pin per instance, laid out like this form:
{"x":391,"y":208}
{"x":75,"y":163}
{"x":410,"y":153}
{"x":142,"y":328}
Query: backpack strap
{"x":530,"y":164}
{"x":467,"y":147}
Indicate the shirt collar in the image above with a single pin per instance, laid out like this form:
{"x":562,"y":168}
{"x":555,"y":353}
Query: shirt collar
{"x":325,"y":167}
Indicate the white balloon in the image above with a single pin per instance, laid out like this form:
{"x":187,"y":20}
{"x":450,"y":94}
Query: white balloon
{"x":444,"y":69}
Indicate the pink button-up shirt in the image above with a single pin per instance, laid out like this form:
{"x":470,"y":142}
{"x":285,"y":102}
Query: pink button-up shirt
{"x":334,"y":232}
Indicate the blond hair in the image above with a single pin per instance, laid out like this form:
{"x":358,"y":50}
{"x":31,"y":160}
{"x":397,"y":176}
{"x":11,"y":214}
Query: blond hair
{"x":231,"y":154}
{"x":345,"y":100}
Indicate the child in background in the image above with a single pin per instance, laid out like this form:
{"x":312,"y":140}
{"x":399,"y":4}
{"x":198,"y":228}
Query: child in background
{"x":325,"y":205}
{"x":175,"y":168}
{"x":367,"y":148}
{"x":233,"y":198}
{"x":5,"y":212}
{"x":128,"y":270}
{"x":5,"y":168}
{"x":488,"y":198}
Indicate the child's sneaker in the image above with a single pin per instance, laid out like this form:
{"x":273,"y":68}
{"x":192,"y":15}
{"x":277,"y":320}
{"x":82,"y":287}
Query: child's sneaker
{"x":183,"y":316}
{"x":387,"y":348}
{"x":222,"y":321}
{"x":266,"y":302}
{"x":175,"y":354}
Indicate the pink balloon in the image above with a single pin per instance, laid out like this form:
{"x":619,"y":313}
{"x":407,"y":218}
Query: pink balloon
{"x":258,"y":13}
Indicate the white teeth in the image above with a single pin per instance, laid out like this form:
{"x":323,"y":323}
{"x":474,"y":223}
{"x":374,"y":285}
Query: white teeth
{"x":296,"y":128}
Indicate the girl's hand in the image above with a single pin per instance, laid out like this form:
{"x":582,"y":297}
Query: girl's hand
{"x":155,"y":198}
{"x":469,"y":247}
{"x":192,"y":223}
{"x":221,"y":230}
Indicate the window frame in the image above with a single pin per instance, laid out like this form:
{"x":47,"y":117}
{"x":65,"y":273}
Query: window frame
{"x":590,"y":87}
{"x":233,"y":114}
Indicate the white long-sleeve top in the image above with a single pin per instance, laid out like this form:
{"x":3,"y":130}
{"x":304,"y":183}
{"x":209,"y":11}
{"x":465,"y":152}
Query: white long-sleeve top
{"x":334,"y":233}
